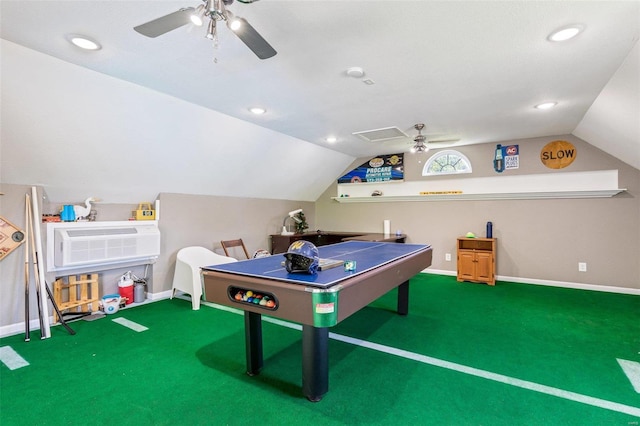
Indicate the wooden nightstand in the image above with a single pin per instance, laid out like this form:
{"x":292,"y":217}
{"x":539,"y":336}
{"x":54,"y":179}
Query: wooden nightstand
{"x":477,"y":260}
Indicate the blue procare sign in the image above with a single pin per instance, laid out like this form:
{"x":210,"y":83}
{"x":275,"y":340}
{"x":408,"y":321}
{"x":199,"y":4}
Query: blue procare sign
{"x":383,"y":168}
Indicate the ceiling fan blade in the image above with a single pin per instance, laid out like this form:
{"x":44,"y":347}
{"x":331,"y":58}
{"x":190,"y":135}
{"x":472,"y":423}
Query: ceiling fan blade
{"x":253,"y":40}
{"x":165,"y":23}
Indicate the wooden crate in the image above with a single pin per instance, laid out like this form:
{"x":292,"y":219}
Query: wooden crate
{"x":78,"y":293}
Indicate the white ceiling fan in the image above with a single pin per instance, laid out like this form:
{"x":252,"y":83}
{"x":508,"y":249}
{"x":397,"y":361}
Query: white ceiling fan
{"x":421,"y":144}
{"x":216,"y":11}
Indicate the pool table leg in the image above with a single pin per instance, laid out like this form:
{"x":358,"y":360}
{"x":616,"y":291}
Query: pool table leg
{"x":315,"y":362}
{"x":403,"y":298}
{"x":253,"y":342}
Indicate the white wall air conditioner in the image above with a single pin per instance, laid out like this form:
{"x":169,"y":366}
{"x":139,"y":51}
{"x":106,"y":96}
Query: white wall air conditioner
{"x":97,"y":245}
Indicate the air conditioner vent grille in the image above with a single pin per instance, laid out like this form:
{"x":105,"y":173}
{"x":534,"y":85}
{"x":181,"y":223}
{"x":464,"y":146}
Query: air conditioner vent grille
{"x":105,"y":231}
{"x":379,"y":135}
{"x":97,"y":245}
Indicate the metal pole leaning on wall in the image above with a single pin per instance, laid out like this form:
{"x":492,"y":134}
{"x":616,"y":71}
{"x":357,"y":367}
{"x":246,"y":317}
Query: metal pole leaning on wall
{"x":38,"y":247}
{"x":42,"y":301}
{"x":27,"y":327}
{"x":36,"y":276}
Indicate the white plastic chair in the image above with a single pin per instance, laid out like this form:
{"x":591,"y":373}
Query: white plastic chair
{"x":187,"y":277}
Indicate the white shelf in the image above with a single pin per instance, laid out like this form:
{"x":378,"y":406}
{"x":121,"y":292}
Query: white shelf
{"x":96,"y":224}
{"x":595,"y":184}
{"x":486,"y":196}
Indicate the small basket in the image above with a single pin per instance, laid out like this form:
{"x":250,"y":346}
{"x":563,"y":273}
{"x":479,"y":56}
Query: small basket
{"x":144,"y":212}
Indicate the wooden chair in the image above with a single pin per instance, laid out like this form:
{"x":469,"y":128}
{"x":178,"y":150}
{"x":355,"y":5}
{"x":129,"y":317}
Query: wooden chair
{"x":226,"y":245}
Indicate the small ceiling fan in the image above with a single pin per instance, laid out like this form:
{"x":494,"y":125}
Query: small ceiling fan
{"x":421,"y":144}
{"x":216,"y":11}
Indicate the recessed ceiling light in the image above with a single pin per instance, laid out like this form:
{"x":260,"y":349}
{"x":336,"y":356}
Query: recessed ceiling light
{"x":83,"y":42}
{"x":331,"y":139}
{"x":355,"y":72}
{"x":566,"y":33}
{"x":546,"y":105}
{"x":257,"y":110}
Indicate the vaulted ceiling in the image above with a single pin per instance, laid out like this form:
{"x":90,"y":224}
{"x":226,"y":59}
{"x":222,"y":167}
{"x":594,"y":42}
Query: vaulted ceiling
{"x":472,"y":71}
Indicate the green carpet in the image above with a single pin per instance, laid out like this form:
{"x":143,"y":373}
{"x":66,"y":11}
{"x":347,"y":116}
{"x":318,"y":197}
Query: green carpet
{"x":188,"y":368}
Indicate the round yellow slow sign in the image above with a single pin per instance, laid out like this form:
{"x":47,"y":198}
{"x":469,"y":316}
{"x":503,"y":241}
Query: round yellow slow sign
{"x":558,"y":154}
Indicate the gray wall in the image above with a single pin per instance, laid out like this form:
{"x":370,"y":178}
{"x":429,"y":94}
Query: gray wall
{"x":185,"y":220}
{"x":12,"y":207}
{"x":12,"y":280}
{"x":537,"y":239}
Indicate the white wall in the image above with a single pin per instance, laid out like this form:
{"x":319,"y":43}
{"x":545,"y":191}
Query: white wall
{"x":616,"y":113}
{"x":79,"y":133}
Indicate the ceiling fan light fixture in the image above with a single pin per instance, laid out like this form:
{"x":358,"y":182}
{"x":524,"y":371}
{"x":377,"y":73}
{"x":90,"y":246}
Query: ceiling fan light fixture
{"x":235,"y":24}
{"x":214,"y":10}
{"x":211,"y":30}
{"x":197,"y":15}
{"x":419,"y":148}
{"x":217,"y":10}
{"x":419,"y":140}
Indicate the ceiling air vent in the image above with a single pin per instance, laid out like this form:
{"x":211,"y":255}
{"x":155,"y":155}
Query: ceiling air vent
{"x":379,"y":135}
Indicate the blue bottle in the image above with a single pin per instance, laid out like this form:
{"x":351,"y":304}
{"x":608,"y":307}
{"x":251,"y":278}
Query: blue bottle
{"x":67,"y":214}
{"x":489,"y":230}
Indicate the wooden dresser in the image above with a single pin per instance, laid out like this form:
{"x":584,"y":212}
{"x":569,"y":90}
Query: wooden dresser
{"x":281,"y":243}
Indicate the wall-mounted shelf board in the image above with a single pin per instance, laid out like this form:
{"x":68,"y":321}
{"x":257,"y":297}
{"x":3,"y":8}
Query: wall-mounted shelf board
{"x":593,"y":184}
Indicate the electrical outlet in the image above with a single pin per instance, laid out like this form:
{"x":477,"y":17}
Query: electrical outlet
{"x":582,"y":266}
{"x":447,"y":257}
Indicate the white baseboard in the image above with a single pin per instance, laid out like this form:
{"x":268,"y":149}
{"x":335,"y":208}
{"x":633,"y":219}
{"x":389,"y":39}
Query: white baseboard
{"x":439,"y":272}
{"x":159,"y":296}
{"x":11,"y":329}
{"x":550,"y":283}
{"x":34,"y":324}
{"x":17,"y":328}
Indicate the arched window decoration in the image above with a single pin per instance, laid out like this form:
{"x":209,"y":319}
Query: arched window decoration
{"x":446,"y":162}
